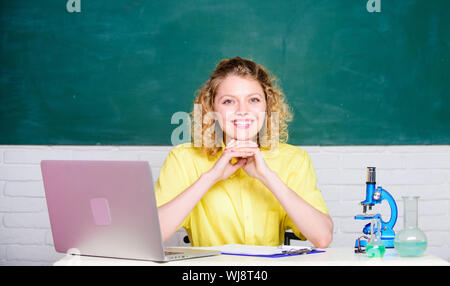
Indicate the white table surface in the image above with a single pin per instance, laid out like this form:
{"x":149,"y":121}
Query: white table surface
{"x":335,"y":256}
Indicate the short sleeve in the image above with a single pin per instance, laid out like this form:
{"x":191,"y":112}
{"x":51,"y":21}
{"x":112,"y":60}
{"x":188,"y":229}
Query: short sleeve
{"x":303,"y":181}
{"x":172,"y":181}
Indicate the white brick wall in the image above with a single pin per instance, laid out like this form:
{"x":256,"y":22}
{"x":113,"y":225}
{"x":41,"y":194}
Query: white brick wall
{"x":26,"y":239}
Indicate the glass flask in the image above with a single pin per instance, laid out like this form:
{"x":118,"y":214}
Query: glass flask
{"x":375,"y":247}
{"x":411,"y":241}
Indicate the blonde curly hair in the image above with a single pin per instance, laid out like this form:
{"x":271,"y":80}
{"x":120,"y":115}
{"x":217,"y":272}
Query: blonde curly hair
{"x":277,"y":110}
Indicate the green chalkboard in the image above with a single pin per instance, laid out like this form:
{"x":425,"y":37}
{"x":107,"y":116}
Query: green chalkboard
{"x":116,"y":72}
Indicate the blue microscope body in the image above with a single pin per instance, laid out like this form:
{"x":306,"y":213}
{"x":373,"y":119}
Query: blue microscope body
{"x":375,"y":195}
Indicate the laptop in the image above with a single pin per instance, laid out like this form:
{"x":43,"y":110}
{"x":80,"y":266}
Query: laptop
{"x":107,"y":209}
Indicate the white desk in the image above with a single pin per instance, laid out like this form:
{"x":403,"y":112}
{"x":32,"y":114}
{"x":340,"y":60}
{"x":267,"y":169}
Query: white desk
{"x":336,"y":256}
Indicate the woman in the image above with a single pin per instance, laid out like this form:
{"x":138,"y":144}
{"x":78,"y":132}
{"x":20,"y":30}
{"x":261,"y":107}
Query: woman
{"x":251,"y":186}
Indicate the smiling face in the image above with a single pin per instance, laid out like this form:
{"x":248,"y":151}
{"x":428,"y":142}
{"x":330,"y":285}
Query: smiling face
{"x":241,"y":104}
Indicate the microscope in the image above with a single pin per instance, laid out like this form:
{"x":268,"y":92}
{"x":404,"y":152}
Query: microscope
{"x":375,"y":195}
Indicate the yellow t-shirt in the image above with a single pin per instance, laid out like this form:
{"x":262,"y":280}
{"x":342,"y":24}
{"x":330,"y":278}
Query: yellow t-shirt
{"x":240,"y":209}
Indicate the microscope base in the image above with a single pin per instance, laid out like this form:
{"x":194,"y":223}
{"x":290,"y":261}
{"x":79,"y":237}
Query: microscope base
{"x":388,"y":243}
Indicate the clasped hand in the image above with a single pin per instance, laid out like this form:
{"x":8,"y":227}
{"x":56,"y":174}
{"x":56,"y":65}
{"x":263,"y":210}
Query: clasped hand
{"x":248,"y":157}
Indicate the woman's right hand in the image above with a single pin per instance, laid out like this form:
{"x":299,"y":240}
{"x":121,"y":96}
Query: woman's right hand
{"x":224,"y":168}
{"x":172,"y":213}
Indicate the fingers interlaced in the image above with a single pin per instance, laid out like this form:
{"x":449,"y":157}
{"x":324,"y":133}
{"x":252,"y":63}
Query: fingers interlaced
{"x":242,"y":154}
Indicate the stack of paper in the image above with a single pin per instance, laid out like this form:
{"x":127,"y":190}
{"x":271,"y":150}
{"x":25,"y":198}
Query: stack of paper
{"x":258,"y":250}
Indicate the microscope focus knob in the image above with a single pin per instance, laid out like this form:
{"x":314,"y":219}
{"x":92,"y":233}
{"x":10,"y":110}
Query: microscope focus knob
{"x":377,"y":195}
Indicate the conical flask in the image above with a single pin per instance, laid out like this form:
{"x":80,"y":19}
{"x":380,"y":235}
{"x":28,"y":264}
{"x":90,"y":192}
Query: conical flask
{"x":375,"y":247}
{"x":411,"y":240}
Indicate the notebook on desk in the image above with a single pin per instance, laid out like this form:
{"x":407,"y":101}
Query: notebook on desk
{"x":263,"y":251}
{"x":107,"y":209}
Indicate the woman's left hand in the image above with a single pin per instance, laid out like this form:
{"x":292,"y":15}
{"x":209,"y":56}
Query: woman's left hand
{"x":255,"y":166}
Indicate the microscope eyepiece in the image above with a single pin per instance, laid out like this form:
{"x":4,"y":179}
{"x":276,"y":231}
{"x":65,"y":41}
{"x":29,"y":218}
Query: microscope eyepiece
{"x":371,"y":175}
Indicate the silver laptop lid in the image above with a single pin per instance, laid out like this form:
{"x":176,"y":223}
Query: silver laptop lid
{"x":103,"y":208}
